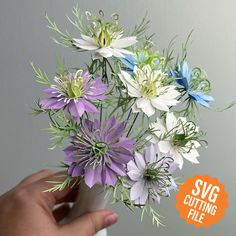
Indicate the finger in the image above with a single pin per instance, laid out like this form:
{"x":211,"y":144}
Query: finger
{"x":90,"y":223}
{"x":39,"y":190}
{"x":35,"y":177}
{"x":61,"y":212}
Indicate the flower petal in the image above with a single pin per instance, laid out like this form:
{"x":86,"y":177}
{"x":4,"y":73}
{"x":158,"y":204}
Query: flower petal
{"x":146,"y":106}
{"x":92,"y":176}
{"x":178,"y":158}
{"x":84,"y":45}
{"x":77,"y":171}
{"x":136,"y":190}
{"x":165,"y":146}
{"x":191,"y":156}
{"x":110,"y":178}
{"x":105,"y":52}
{"x":117,"y":168}
{"x":88,"y":106}
{"x":143,"y":198}
{"x":159,"y":104}
{"x":171,"y":121}
{"x":139,"y":159}
{"x":124,"y":51}
{"x":130,"y":83}
{"x":124,"y":42}
{"x":116,"y":53}
{"x":135,"y":175}
{"x":151,"y":153}
{"x":76,"y":108}
{"x":89,"y":39}
{"x":52,"y":103}
{"x":132,"y":166}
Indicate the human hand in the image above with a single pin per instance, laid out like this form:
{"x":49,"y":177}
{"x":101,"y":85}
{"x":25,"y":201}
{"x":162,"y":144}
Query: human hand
{"x":27,"y":211}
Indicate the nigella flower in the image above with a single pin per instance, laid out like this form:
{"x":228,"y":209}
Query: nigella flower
{"x":99,"y":152}
{"x":146,"y":85}
{"x":105,"y":39}
{"x":140,"y":59}
{"x":151,"y":175}
{"x":177,"y":137}
{"x":194,"y":83}
{"x":129,"y":62}
{"x":74,"y":93}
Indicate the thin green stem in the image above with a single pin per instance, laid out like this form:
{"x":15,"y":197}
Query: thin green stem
{"x":105,"y":79}
{"x":135,"y":118}
{"x":109,"y":64}
{"x":128,"y":117}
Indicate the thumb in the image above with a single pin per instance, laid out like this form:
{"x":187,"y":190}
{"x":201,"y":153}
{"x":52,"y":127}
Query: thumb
{"x":90,"y":223}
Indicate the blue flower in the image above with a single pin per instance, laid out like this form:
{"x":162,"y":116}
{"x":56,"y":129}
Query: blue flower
{"x":129,"y":62}
{"x":139,"y":59}
{"x":194,"y":83}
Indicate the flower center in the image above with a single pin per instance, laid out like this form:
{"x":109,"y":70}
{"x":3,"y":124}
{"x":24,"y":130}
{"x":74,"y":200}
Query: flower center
{"x":199,"y":82}
{"x":180,"y":140}
{"x":99,"y":149}
{"x":148,"y":89}
{"x":104,"y":38}
{"x":75,"y":88}
{"x":150,"y":174}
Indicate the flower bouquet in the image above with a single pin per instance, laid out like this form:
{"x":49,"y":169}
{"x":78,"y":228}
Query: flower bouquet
{"x":129,"y":114}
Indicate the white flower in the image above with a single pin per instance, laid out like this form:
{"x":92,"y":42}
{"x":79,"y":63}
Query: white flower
{"x":106,"y":45}
{"x":146,"y":86}
{"x":178,"y":137}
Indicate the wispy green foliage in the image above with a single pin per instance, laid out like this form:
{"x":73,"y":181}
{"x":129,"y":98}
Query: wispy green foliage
{"x":60,"y":128}
{"x":121,"y":193}
{"x":37,"y":110}
{"x":232,"y":104}
{"x":140,"y":29}
{"x":147,"y":209}
{"x":78,"y":19}
{"x":42,"y":77}
{"x":65,"y":39}
{"x":69,"y":182}
{"x":58,"y":135}
{"x":168,"y":54}
{"x":60,"y":66}
{"x":183,"y":54}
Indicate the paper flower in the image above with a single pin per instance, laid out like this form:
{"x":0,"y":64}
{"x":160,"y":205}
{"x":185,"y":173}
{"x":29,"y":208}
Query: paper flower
{"x":194,"y":83}
{"x":140,"y":59}
{"x":99,"y":152}
{"x":130,"y":62}
{"x":74,"y":93}
{"x":151,"y":175}
{"x":178,"y":137}
{"x":106,"y":43}
{"x":146,"y":86}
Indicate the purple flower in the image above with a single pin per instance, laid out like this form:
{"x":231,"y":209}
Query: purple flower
{"x":99,"y":152}
{"x":151,"y":175}
{"x":74,"y":93}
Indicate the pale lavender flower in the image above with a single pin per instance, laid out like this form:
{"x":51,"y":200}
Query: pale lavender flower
{"x":99,"y":152}
{"x":74,"y":93}
{"x":151,"y":175}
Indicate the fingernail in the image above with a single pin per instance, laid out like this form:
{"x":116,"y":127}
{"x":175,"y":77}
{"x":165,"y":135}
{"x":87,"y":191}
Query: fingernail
{"x":110,"y":219}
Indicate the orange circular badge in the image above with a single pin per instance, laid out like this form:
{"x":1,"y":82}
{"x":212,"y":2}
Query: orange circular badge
{"x":201,"y":201}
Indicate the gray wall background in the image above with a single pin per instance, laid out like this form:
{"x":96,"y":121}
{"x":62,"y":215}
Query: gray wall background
{"x":24,"y":37}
